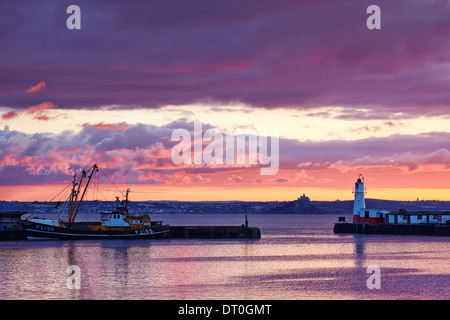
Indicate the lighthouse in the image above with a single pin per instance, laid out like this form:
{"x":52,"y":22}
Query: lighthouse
{"x":359,"y":202}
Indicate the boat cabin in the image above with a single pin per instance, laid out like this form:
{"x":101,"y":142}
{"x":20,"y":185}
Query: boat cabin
{"x":113,"y":219}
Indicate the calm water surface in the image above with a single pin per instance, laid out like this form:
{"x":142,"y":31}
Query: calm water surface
{"x":298,"y":257}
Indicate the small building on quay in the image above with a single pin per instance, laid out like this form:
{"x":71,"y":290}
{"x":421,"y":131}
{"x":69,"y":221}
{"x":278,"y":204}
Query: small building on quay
{"x":401,"y":222}
{"x":361,"y":214}
{"x":418,"y":217}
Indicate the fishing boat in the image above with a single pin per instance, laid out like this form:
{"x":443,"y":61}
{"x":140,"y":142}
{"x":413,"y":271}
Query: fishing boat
{"x":117,"y":224}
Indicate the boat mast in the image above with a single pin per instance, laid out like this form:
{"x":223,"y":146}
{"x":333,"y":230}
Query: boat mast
{"x":126,"y":202}
{"x":74,"y":194}
{"x":126,"y":198}
{"x":72,"y":216}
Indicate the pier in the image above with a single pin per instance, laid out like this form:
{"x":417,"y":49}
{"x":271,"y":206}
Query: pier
{"x":431,"y":229}
{"x":214,"y":232}
{"x":10,"y":227}
{"x":202,"y":232}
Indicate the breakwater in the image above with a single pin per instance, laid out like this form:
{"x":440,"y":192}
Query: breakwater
{"x":393,"y":228}
{"x":202,"y":232}
{"x":177,"y":232}
{"x":10,"y":226}
{"x":214,"y":232}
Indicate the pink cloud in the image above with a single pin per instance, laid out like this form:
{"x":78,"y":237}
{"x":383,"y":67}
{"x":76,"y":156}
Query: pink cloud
{"x":39,"y":110}
{"x":199,"y":179}
{"x":36,"y":88}
{"x":107,"y":126}
{"x":10,"y":115}
{"x":140,"y":154}
{"x":235,"y":179}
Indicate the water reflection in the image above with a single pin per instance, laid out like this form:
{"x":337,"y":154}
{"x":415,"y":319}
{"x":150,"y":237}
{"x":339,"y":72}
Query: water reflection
{"x":360,"y":244}
{"x":295,"y":260}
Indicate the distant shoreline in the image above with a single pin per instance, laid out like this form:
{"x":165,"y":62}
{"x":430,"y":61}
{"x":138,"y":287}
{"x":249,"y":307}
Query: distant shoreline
{"x":299,"y":206}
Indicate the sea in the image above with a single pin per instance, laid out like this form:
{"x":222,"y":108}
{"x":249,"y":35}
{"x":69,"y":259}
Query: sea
{"x":297,"y":258}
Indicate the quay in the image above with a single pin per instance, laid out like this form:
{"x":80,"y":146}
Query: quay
{"x":10,"y":226}
{"x":393,"y":228}
{"x":401,"y":222}
{"x":11,"y":230}
{"x":202,"y":232}
{"x":214,"y":232}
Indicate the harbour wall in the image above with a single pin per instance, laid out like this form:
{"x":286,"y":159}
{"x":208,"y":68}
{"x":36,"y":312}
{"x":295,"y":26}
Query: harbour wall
{"x":10,"y":226}
{"x":12,"y":235}
{"x":176,"y":232}
{"x":202,"y":232}
{"x":214,"y":232}
{"x":393,"y":228}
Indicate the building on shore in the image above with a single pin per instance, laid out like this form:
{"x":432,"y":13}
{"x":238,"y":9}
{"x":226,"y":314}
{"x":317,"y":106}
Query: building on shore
{"x":361,"y":214}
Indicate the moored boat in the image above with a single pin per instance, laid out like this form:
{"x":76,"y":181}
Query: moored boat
{"x":117,"y":224}
{"x":40,"y":230}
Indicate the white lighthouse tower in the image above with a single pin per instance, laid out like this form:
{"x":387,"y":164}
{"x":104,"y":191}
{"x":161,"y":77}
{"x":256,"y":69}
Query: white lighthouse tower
{"x":359,"y":202}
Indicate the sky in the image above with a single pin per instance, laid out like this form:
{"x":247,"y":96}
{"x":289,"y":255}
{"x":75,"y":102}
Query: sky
{"x":342,"y":99}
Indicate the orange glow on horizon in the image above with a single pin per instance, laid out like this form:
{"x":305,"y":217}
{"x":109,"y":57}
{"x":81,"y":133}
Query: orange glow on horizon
{"x":143,"y":192}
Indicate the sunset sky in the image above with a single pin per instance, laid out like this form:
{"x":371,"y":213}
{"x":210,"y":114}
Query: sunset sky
{"x":344,"y":99}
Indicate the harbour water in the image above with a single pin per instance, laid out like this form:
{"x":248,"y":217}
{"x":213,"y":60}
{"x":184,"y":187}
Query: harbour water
{"x":297,"y":257}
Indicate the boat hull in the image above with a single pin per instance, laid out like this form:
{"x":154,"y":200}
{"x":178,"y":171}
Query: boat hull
{"x":43,"y":231}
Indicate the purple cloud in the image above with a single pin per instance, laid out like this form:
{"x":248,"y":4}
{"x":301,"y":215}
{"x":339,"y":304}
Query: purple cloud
{"x":298,"y":54}
{"x":142,"y":154}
